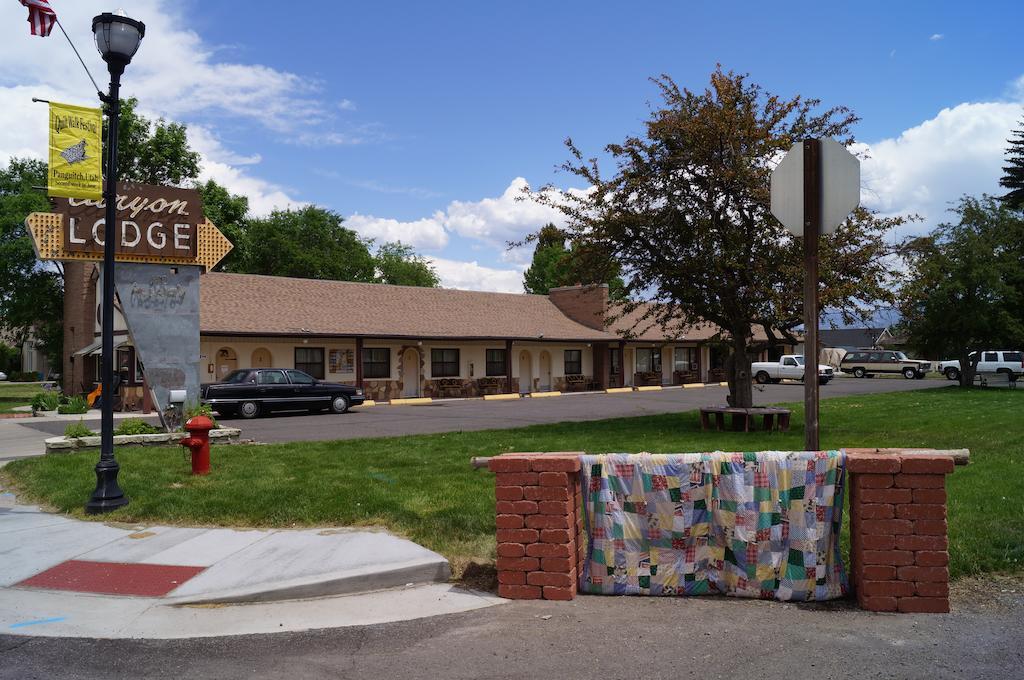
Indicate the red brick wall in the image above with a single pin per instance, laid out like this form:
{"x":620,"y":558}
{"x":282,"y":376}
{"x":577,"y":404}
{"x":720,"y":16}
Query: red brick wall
{"x":583,"y":304}
{"x":79,"y":323}
{"x":539,"y":525}
{"x":899,"y":550}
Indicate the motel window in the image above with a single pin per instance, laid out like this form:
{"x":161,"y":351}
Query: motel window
{"x":376,"y":362}
{"x":444,"y":363}
{"x":310,"y":360}
{"x":496,"y":364}
{"x":685,"y":359}
{"x":573,"y":362}
{"x":648,"y":360}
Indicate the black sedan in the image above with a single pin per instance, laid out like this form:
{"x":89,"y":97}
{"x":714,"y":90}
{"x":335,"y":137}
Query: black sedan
{"x":249,"y":392}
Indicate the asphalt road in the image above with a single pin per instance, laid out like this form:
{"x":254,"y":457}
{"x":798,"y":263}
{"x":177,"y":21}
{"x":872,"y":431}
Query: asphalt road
{"x":591,"y":637}
{"x":476,"y":414}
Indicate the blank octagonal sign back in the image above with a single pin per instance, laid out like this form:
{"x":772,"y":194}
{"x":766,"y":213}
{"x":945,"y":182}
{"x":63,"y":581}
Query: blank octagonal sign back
{"x":840,"y":187}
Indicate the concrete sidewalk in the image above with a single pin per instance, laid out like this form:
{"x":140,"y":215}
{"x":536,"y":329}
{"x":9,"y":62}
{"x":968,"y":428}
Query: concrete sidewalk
{"x":62,"y":576}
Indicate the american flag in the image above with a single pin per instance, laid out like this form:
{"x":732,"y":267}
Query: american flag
{"x":41,"y":16}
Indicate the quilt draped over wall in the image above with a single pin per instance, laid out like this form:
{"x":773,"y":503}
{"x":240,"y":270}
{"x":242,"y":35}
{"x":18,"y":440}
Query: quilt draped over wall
{"x":763,"y":525}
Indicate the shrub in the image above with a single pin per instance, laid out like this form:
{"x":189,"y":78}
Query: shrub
{"x":74,"y":405}
{"x":24,"y":376}
{"x":78,"y":429}
{"x":194,"y":409}
{"x":136,"y":426}
{"x":46,"y":401}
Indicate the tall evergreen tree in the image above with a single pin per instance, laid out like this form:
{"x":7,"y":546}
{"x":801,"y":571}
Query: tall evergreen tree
{"x":1013,"y":177}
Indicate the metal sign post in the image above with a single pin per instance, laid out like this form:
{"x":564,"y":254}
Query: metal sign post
{"x":812,"y":232}
{"x":813,"y":189}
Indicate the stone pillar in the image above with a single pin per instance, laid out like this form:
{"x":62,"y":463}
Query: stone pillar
{"x":539,"y":525}
{"x":899,"y":548}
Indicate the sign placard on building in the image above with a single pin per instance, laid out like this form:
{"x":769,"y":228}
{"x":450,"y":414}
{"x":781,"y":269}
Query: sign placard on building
{"x":76,"y":152}
{"x":159,"y":222}
{"x":156,"y":225}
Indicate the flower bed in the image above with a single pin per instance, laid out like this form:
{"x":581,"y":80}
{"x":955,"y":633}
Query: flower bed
{"x":223,"y":435}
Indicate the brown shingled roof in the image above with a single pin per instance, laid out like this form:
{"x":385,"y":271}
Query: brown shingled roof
{"x":269,"y":305}
{"x":648,"y":330}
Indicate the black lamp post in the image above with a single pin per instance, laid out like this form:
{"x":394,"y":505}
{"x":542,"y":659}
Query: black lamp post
{"x":117,"y":39}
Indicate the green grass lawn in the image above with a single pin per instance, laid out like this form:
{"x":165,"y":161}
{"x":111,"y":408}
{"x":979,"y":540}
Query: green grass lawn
{"x":16,"y":394}
{"x":423,"y":486}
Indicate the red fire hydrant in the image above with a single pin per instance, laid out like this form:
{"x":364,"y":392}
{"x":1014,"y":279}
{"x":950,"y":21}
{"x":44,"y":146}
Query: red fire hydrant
{"x":199,"y":443}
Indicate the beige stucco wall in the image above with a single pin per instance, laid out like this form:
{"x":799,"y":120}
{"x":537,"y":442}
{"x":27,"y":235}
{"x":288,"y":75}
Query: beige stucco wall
{"x":472,"y":355}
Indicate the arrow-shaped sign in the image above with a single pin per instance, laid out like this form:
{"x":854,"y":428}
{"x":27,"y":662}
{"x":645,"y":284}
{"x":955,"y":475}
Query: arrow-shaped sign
{"x":48,"y":237}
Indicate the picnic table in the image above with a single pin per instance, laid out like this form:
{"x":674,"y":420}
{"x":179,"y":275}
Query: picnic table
{"x":773,"y":417}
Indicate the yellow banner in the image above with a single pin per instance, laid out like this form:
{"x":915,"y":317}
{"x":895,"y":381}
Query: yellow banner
{"x":76,"y":150}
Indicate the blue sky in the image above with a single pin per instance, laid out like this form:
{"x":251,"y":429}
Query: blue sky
{"x":421,"y":120}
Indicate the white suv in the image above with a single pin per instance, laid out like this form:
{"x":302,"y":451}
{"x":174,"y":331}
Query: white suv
{"x":992,"y":361}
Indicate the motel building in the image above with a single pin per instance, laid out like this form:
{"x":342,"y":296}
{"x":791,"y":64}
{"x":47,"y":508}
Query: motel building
{"x":401,"y":342}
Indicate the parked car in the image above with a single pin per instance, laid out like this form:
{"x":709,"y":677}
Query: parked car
{"x":991,"y":361}
{"x":3,"y":376}
{"x":789,"y":366}
{"x":866,"y":363}
{"x":249,"y":392}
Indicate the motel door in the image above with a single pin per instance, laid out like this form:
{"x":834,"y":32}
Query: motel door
{"x":525,"y":373}
{"x":411,"y":373}
{"x":615,"y":367}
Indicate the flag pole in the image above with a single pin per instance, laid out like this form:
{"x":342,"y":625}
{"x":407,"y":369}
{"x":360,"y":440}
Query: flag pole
{"x":80,"y":60}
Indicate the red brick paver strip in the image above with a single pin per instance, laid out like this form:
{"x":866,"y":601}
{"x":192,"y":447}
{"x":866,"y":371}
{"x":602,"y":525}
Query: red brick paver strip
{"x":112,"y":578}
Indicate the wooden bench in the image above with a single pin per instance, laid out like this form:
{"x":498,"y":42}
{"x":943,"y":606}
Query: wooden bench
{"x":773,"y":418}
{"x":716,"y":375}
{"x":994,"y":379}
{"x":646,"y":378}
{"x":684,"y":377}
{"x":491,"y":385}
{"x":449,"y":387}
{"x":575,"y":383}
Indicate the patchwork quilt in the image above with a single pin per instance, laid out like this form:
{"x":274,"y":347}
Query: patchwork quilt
{"x":763,"y":525}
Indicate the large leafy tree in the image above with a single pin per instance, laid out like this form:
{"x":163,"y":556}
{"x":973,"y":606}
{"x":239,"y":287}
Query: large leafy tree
{"x":152,"y":153}
{"x":686,"y":217}
{"x":31,"y":294}
{"x":1013,"y":171}
{"x":554,"y":265}
{"x":964,"y":288}
{"x":230,"y":213}
{"x":546,"y":270}
{"x":399,"y":265}
{"x":309,"y":242}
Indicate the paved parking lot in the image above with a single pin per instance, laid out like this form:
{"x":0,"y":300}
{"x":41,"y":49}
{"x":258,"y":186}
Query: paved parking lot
{"x":475,"y":414}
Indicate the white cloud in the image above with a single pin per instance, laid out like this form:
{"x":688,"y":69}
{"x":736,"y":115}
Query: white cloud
{"x":226,"y":168}
{"x":347,"y":105}
{"x":473,"y":276}
{"x":929,"y":166}
{"x":492,"y":221}
{"x":937,"y":36}
{"x":427,"y":233}
{"x":173,"y":75}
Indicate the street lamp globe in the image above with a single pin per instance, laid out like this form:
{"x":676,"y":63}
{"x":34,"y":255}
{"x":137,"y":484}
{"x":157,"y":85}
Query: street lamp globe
{"x":117,"y":37}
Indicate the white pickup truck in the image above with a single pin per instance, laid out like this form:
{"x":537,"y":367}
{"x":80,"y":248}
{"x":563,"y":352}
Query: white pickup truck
{"x":991,"y":361}
{"x":789,"y":366}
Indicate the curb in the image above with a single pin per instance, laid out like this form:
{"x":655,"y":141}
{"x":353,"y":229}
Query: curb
{"x":543,"y":395}
{"x":501,"y":397}
{"x":411,"y":401}
{"x":649,"y":388}
{"x":419,"y":572}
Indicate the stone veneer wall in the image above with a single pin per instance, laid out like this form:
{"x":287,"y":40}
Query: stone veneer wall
{"x":899,"y":552}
